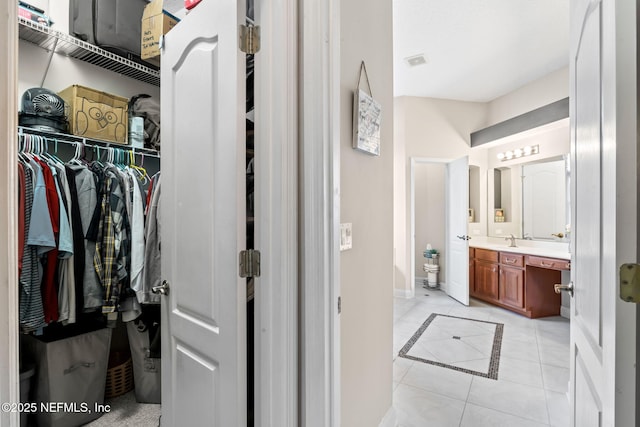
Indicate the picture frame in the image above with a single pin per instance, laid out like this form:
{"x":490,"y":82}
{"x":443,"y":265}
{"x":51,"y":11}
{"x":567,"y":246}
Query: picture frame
{"x":498,"y":215}
{"x":367,"y":116}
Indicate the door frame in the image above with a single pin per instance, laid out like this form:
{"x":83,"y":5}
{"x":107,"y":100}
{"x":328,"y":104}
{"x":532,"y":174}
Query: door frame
{"x":276,"y":215}
{"x":9,"y":362}
{"x":414,"y":161}
{"x":319,"y":206}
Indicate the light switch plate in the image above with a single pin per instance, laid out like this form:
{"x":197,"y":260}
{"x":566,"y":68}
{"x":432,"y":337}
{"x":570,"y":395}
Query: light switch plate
{"x":346,"y":241}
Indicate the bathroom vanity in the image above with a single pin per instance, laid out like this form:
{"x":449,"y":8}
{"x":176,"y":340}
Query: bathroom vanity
{"x":519,"y":279}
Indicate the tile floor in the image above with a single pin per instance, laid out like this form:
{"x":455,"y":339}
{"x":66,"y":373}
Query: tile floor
{"x":470,"y":345}
{"x":532,"y":380}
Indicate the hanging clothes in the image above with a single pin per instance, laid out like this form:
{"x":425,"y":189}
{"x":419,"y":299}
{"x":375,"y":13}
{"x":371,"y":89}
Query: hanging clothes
{"x":31,"y":310}
{"x":152,"y":267}
{"x":82,"y":239}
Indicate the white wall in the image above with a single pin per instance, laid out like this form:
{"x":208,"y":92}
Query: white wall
{"x":366,"y":271}
{"x":64,"y":71}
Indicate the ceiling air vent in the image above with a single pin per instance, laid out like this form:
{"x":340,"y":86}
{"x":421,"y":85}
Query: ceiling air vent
{"x":416,"y":60}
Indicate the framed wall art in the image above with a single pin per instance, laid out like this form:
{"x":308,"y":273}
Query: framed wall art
{"x":367,"y":114}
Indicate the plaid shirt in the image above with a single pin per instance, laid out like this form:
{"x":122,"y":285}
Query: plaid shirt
{"x":112,"y":245}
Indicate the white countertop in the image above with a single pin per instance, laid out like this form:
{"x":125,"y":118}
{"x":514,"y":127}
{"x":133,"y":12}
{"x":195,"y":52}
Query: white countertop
{"x":526,"y":247}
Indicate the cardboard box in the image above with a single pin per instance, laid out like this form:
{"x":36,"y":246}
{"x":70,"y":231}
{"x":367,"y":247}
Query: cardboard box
{"x":156,"y":22}
{"x":95,"y":114}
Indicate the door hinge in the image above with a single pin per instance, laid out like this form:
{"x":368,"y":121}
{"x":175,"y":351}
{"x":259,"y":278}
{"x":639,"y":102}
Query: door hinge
{"x":339,"y":304}
{"x":249,"y":39}
{"x":630,"y":282}
{"x":250,"y":263}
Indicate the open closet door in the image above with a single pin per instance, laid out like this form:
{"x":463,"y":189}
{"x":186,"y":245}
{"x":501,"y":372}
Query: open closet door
{"x":203,"y":219}
{"x":604,"y":123}
{"x":457,"y":250}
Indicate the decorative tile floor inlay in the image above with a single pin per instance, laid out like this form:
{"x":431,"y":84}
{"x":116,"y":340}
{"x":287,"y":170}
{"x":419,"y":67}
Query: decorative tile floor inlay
{"x":458,"y":343}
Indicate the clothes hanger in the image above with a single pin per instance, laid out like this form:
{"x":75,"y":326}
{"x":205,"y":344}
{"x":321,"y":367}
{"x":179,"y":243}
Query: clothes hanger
{"x":139,"y":170}
{"x":51,"y":157}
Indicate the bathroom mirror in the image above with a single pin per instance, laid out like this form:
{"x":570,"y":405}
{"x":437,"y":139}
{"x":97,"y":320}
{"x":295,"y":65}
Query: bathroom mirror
{"x":529,"y":200}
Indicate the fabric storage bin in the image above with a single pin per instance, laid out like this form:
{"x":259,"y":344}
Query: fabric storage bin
{"x":146,"y":369}
{"x":70,"y":372}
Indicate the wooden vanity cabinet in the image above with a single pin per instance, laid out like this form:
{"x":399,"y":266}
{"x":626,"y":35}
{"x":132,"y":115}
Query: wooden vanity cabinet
{"x":485,"y":275}
{"x":472,"y":264}
{"x":520,"y":283}
{"x":511,"y":283}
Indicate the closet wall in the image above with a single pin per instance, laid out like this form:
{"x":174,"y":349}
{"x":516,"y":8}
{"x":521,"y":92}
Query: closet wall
{"x":64,"y":71}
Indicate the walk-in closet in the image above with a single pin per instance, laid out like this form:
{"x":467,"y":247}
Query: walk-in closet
{"x":88,"y":216}
{"x":89,"y":174}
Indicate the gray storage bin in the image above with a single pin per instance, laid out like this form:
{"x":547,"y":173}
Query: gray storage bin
{"x":146,"y":370}
{"x":26,"y":374}
{"x":111,"y":24}
{"x":72,"y":371}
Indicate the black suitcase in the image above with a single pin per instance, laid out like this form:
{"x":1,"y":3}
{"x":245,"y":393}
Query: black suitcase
{"x":113,"y":25}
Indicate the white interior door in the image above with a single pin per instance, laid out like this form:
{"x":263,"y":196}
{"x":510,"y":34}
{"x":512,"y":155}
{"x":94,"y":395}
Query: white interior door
{"x":457,"y":250}
{"x":603,"y":116}
{"x":203,"y":219}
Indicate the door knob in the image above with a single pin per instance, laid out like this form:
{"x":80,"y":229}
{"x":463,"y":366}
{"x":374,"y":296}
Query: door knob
{"x":561,"y":287}
{"x":163,"y":289}
{"x":463,"y":237}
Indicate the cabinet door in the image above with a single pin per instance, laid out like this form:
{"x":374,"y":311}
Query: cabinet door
{"x":472,"y":277}
{"x":512,"y":286}
{"x":486,"y":278}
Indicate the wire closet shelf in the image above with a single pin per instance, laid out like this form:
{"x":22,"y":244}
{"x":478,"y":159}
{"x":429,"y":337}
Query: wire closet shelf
{"x":53,"y":138}
{"x":64,"y":44}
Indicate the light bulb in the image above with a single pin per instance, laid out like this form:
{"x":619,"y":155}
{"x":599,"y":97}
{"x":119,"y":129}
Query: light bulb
{"x":500,"y":156}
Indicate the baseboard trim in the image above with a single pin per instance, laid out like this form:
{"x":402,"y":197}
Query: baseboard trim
{"x":389,"y":419}
{"x":403,"y":293}
{"x":565,"y":312}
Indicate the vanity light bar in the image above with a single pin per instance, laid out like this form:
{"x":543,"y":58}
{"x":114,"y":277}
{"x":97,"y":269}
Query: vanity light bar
{"x":518,"y":152}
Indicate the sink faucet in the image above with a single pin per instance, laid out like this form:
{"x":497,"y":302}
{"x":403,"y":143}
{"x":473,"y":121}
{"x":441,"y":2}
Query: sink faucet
{"x":512,"y":240}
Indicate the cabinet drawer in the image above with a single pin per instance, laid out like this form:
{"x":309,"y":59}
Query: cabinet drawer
{"x":551,"y":263}
{"x":486,"y":254}
{"x":512,"y":259}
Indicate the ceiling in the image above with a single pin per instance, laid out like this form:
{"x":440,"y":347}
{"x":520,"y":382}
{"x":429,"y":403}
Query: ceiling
{"x":477,"y":50}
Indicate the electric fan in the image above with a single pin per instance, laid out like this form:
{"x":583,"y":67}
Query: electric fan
{"x":44,"y":110}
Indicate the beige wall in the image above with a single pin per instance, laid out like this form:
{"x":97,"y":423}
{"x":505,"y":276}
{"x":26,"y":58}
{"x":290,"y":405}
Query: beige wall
{"x":428,"y":128}
{"x":438,"y":128}
{"x":548,"y":89}
{"x":429,"y":196}
{"x":367,"y":202}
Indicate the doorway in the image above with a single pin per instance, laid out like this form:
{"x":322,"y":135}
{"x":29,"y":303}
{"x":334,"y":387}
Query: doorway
{"x":428,"y":217}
